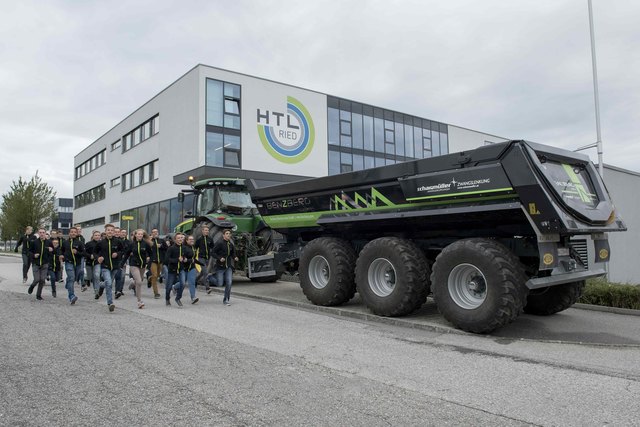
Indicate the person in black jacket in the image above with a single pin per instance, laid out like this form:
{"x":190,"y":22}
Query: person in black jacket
{"x":189,"y":272}
{"x":158,"y":251}
{"x":174,"y":259}
{"x":121,"y":273}
{"x":26,"y":240}
{"x":139,"y":254}
{"x":108,"y":252}
{"x":224,"y":252}
{"x":54,"y":266}
{"x":72,"y":253}
{"x":92,"y":268}
{"x":204,"y":247}
{"x":41,"y":252}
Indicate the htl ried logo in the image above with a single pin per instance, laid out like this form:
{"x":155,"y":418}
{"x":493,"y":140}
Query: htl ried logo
{"x":289,"y":136}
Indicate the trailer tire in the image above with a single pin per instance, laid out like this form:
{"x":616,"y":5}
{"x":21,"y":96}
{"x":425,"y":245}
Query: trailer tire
{"x":554,"y":299}
{"x":478,"y":285}
{"x":326,"y":271}
{"x":392,"y":276}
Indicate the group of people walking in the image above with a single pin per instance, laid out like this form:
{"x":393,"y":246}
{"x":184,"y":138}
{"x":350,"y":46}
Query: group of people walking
{"x":101,"y":263}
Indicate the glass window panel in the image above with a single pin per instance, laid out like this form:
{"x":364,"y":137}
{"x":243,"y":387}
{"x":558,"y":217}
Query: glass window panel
{"x":444,"y":143}
{"x":334,"y":126}
{"x":164,"y":221}
{"x":152,"y":217}
{"x":214,"y":102}
{"x":379,"y":135}
{"x":346,"y":168}
{"x":143,"y":212}
{"x":127,"y":141}
{"x":231,"y":122}
{"x":369,"y":162}
{"x":231,"y":158}
{"x":231,"y":106}
{"x":146,"y":130}
{"x":368,"y":132}
{"x":408,"y":141}
{"x":390,"y":162}
{"x":417,"y":142}
{"x":175,"y":214}
{"x":426,"y":144}
{"x":346,"y":159}
{"x":435,"y":143}
{"x":356,"y":130}
{"x":135,"y":140}
{"x":379,"y":161}
{"x":345,"y":127}
{"x":232,"y":90}
{"x":358,"y":162}
{"x":334,"y":163}
{"x":156,"y":124}
{"x":390,"y":149}
{"x":388,"y":135}
{"x":232,"y":142}
{"x":135,"y":180}
{"x":127,"y":181}
{"x":399,"y":139}
{"x":345,"y":115}
{"x":156,"y":170}
{"x":345,"y":141}
{"x":214,"y":149}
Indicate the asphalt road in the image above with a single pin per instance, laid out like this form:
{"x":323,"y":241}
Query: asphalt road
{"x":257,"y":363}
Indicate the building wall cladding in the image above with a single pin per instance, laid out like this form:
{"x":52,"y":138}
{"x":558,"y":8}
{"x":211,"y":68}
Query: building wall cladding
{"x":622,"y":185}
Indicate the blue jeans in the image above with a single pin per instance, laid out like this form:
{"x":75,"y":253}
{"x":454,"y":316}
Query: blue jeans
{"x":52,"y":280}
{"x":118,"y":275}
{"x":73,"y":272}
{"x":189,"y":277}
{"x":97,"y":270}
{"x":173,"y":278}
{"x":224,"y":275}
{"x":107,"y":277}
{"x":80,"y":277}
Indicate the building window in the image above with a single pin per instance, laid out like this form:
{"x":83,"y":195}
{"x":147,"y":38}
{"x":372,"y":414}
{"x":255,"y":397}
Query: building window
{"x":92,"y":164}
{"x":114,"y":217}
{"x":93,"y":222}
{"x":361,"y":136}
{"x":141,"y":133}
{"x":115,"y":182}
{"x":223,"y":108}
{"x":91,"y":196}
{"x":116,"y":145}
{"x":140,"y":176}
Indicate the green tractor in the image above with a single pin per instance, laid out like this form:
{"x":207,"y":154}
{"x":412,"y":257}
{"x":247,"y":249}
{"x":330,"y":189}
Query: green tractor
{"x":225,"y":203}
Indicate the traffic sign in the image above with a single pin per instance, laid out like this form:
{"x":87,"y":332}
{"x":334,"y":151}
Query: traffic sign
{"x":127,"y":218}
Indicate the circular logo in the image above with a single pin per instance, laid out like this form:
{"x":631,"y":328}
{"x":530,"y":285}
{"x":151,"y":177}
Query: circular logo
{"x":292,"y":140}
{"x":604,"y":254}
{"x":547,"y":259}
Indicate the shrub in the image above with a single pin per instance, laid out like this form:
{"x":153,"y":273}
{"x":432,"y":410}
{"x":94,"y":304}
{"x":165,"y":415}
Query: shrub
{"x":602,"y":292}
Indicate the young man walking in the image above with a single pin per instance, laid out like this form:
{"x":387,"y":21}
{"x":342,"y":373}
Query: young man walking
{"x":175,"y":258}
{"x":72,"y":253}
{"x":224,"y":252}
{"x":158,"y":251}
{"x":26,"y":240}
{"x":41,"y":252}
{"x":204,"y":247}
{"x":108,"y":252}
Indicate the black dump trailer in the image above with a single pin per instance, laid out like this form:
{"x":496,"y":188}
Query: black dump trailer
{"x":489,"y":233}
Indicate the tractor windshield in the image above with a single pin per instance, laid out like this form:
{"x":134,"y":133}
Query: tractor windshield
{"x":236,"y":199}
{"x":207,"y":201}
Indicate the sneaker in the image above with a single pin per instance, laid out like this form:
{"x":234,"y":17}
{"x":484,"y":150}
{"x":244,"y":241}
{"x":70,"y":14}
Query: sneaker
{"x":209,"y":291}
{"x":140,"y":304}
{"x":100,"y":292}
{"x":226,"y":302}
{"x":148,"y":285}
{"x":118,"y":295}
{"x":24,"y":280}
{"x":83,"y":288}
{"x":74,"y":299}
{"x":30,"y":291}
{"x":168,"y":302}
{"x":61,"y":280}
{"x":112,"y":307}
{"x":97,"y":295}
{"x":179,"y":302}
{"x":39,"y":298}
{"x":156,"y":296}
{"x":131,"y":286}
{"x":195,"y":300}
{"x":53,"y":294}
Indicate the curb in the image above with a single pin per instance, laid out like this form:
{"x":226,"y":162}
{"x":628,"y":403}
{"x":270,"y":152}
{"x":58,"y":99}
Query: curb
{"x":604,"y":308}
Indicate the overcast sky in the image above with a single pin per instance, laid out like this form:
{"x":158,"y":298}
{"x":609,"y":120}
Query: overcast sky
{"x":71,"y":70}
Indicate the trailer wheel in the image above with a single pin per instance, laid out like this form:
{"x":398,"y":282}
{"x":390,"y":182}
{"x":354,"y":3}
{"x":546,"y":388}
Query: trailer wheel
{"x":392,"y":276}
{"x":478,"y":285}
{"x":553,"y":299}
{"x":326,"y":271}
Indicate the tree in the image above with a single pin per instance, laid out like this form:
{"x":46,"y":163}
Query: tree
{"x":26,"y":203}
